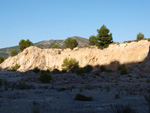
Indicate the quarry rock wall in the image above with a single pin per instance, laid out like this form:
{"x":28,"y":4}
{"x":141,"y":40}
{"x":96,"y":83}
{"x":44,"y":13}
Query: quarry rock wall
{"x":116,"y":54}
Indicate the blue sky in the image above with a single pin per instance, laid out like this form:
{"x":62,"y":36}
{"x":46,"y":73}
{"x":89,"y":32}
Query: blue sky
{"x":40,"y":20}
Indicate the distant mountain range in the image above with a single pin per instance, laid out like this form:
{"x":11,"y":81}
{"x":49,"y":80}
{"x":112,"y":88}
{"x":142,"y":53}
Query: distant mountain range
{"x":5,"y":52}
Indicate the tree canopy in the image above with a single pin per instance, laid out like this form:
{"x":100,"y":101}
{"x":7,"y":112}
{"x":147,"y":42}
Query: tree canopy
{"x":71,"y":43}
{"x":93,"y":40}
{"x":140,"y":36}
{"x":13,"y":53}
{"x":55,"y":46}
{"x":24,"y":44}
{"x":103,"y":37}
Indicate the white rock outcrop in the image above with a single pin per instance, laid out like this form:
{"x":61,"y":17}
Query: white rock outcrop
{"x":124,"y":53}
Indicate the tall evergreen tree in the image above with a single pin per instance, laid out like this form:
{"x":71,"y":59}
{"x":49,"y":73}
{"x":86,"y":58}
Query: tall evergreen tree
{"x":103,"y":37}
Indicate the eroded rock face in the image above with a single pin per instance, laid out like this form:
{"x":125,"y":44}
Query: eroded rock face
{"x":114,"y":55}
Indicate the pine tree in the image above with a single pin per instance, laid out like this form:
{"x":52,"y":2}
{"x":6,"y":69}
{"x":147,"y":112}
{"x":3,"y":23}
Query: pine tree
{"x":104,"y":38}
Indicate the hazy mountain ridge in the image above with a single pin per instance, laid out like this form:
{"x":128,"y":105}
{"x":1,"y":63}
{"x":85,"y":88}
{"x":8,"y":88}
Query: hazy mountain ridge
{"x":5,"y":52}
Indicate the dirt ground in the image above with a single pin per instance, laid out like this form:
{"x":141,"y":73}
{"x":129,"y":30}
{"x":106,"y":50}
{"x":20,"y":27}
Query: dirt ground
{"x":111,"y":92}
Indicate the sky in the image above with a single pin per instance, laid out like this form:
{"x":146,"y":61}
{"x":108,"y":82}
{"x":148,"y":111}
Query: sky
{"x":39,"y":20}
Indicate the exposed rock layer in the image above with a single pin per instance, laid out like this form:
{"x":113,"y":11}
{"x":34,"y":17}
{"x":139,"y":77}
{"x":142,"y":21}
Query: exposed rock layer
{"x":115,"y":54}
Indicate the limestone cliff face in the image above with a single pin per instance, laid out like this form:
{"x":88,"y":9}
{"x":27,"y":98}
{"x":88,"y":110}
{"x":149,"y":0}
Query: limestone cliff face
{"x":124,"y":53}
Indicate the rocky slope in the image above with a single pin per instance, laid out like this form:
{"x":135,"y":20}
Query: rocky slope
{"x":111,"y":57}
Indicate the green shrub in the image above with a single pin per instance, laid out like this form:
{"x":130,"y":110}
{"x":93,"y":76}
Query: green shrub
{"x":1,"y":59}
{"x":140,"y":36}
{"x":88,"y":68}
{"x":123,"y":71}
{"x":121,"y":67}
{"x":59,"y":52}
{"x":124,"y":109}
{"x":55,"y":46}
{"x":13,"y":53}
{"x":36,"y":109}
{"x":81,"y":97}
{"x":36,"y":70}
{"x":127,"y":41}
{"x":1,"y":82}
{"x":15,"y":68}
{"x":71,"y":43}
{"x":22,"y":86}
{"x":109,"y":70}
{"x":45,"y":77}
{"x":56,"y":71}
{"x":61,"y":89}
{"x":102,"y":68}
{"x":69,"y":64}
{"x":63,"y":71}
{"x":80,"y":70}
{"x":148,"y":39}
{"x":148,"y":81}
{"x":129,"y":76}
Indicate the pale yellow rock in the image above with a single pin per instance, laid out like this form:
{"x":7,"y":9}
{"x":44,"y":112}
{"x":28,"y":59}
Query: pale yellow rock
{"x":49,"y":58}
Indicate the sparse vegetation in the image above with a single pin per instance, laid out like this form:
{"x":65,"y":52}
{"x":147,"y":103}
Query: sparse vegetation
{"x":109,"y":70}
{"x":45,"y":77}
{"x":61,"y":89}
{"x":36,"y":109}
{"x":69,"y":64}
{"x":71,"y":43}
{"x":13,"y":53}
{"x":88,"y":68}
{"x":15,"y":68}
{"x":1,"y":82}
{"x":147,"y":98}
{"x":24,"y":44}
{"x":129,"y":76}
{"x":148,"y":39}
{"x":81,"y":97}
{"x":22,"y":86}
{"x":102,"y":68}
{"x":120,"y":67}
{"x":56,"y":71}
{"x":59,"y":52}
{"x":148,"y":81}
{"x":80,"y":70}
{"x":1,"y":59}
{"x":117,"y":108}
{"x":123,"y":70}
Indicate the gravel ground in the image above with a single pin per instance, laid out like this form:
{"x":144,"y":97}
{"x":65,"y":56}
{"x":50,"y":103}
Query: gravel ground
{"x":109,"y":93}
